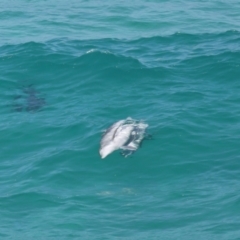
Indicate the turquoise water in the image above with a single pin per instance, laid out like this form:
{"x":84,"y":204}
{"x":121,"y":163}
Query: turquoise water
{"x":70,"y":69}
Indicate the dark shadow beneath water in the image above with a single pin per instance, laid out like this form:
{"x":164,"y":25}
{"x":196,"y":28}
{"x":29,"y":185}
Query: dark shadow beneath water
{"x":28,"y":100}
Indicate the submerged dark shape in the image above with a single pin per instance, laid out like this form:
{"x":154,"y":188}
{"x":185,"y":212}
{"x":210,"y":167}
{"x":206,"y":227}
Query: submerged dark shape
{"x":28,"y":100}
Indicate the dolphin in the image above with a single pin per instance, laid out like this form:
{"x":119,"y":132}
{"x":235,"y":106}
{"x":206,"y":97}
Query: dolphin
{"x":125,"y":134}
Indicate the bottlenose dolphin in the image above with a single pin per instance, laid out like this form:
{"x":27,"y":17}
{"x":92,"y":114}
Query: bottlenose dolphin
{"x":125,"y":134}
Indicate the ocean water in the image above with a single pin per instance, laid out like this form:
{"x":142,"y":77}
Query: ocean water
{"x":69,"y":69}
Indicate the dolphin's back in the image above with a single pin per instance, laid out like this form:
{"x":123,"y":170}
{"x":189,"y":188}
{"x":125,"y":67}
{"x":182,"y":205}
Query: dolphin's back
{"x":109,"y":134}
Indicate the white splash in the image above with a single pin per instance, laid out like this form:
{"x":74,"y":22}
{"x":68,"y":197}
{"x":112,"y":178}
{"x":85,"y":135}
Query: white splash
{"x":125,"y":134}
{"x":97,"y":50}
{"x":91,"y":50}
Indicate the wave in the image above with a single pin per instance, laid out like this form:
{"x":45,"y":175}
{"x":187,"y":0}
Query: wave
{"x":158,"y":51}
